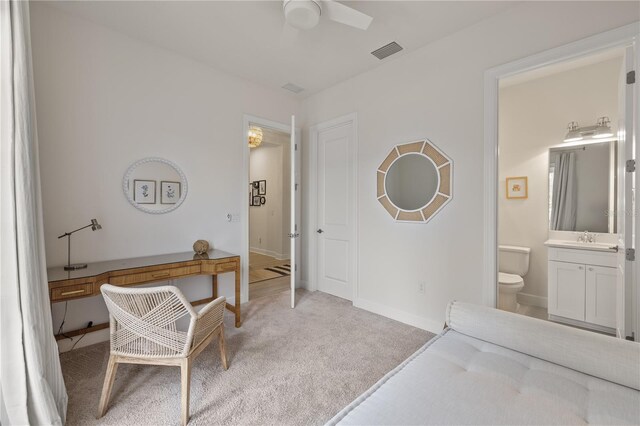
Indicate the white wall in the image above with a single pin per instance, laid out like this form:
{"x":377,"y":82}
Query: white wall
{"x":533,"y":116}
{"x":437,"y":92}
{"x":105,"y":100}
{"x":270,"y":222}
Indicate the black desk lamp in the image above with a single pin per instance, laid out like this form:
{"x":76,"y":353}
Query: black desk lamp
{"x":69,"y":267}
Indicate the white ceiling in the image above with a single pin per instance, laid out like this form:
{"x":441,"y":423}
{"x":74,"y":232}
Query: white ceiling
{"x":244,"y":37}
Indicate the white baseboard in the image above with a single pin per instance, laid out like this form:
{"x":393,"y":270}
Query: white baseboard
{"x":532,"y":300}
{"x":404,"y":317}
{"x":279,"y":256}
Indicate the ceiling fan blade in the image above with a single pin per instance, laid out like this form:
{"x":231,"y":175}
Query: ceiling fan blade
{"x":288,"y":36}
{"x":338,"y":12}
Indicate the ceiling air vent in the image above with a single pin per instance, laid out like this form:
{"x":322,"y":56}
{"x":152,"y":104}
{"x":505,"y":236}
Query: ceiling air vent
{"x":292,"y":87}
{"x":387,"y":50}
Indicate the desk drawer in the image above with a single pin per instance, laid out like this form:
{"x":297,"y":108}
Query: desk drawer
{"x":159,"y":275}
{"x":226,"y":267}
{"x":71,"y":292}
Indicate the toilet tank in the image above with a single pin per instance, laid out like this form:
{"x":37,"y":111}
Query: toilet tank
{"x":514,"y":260}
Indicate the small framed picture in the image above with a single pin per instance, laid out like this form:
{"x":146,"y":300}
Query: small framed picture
{"x":262,"y":187}
{"x":255,"y":184}
{"x":144,"y":191}
{"x":256,"y":200}
{"x":169,"y":192}
{"x":250,"y":199}
{"x":254,"y":191}
{"x":517,"y":187}
{"x":263,"y":200}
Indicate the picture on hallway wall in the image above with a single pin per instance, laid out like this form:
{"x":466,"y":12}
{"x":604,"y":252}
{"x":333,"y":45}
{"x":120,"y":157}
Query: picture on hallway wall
{"x":262,"y":187}
{"x":517,"y":187}
{"x":256,"y":201}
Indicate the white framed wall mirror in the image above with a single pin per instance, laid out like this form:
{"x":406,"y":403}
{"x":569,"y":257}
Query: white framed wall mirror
{"x":155,"y":185}
{"x":583,"y":188}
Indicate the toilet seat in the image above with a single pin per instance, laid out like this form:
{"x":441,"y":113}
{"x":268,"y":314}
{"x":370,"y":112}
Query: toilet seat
{"x":509,"y":279}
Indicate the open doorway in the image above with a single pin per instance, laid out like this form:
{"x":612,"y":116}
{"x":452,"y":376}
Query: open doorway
{"x":564,"y":194}
{"x":269,"y":199}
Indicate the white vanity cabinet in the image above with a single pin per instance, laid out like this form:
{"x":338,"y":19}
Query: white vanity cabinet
{"x":582,"y":288}
{"x":600,"y":297}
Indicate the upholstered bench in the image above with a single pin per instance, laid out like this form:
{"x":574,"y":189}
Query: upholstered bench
{"x":494,"y":367}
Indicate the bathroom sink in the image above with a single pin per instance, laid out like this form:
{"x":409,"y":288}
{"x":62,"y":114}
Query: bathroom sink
{"x":582,"y":246}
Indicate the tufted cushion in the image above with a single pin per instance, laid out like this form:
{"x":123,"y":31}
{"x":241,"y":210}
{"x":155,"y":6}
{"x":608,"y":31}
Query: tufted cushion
{"x":602,"y":356}
{"x":458,"y":379}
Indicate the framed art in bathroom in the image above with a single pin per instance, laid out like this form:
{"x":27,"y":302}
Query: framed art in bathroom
{"x":517,"y":188}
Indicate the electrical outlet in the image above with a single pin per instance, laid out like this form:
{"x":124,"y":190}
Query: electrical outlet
{"x":421,"y":287}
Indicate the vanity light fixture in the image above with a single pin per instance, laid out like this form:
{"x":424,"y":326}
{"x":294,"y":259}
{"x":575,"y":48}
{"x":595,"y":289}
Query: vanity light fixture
{"x":573,"y":134}
{"x":600,"y":131}
{"x":603,"y":128}
{"x":255,"y":136}
{"x":69,"y":267}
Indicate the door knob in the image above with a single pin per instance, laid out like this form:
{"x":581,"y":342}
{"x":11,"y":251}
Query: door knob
{"x":319,"y":231}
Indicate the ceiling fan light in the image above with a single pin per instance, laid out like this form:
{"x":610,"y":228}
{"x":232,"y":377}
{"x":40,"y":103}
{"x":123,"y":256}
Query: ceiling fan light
{"x":302,"y":14}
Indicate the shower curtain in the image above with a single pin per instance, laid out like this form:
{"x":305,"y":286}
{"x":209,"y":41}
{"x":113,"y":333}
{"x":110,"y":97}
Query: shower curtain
{"x":564,"y":197}
{"x":32,"y":390}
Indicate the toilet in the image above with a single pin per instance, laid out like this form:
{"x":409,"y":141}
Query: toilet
{"x":512,"y":266}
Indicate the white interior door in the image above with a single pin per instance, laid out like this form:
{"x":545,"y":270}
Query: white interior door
{"x":335,"y":220}
{"x":626,"y":202}
{"x":295,"y":209}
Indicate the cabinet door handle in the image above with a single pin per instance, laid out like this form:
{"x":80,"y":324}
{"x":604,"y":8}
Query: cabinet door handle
{"x":580,"y":268}
{"x":591,"y":269}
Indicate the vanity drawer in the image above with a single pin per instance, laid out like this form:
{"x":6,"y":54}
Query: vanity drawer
{"x":226,"y":267}
{"x":159,"y":275}
{"x":585,"y":257}
{"x":71,"y":292}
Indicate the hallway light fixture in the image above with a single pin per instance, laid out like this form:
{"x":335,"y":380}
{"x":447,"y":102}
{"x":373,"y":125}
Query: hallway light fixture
{"x":255,"y":136}
{"x":600,"y":131}
{"x":69,"y":267}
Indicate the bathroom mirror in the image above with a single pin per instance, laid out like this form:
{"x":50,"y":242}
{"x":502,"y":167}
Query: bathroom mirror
{"x":155,"y":185}
{"x":414,"y":181}
{"x":582,"y":188}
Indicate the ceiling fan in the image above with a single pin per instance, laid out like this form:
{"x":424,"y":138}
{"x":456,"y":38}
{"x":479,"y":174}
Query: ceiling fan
{"x":305,"y":14}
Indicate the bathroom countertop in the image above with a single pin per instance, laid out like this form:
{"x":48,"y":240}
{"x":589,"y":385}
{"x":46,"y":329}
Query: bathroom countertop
{"x":607,"y":247}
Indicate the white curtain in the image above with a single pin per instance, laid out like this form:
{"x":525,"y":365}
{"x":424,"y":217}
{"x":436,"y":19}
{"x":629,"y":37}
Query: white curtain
{"x":31,"y":385}
{"x":564,"y":206}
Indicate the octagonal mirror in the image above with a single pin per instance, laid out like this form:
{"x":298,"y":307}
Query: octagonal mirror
{"x":414,"y":181}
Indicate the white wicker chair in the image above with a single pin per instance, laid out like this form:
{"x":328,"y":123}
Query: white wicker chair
{"x":144,"y":331}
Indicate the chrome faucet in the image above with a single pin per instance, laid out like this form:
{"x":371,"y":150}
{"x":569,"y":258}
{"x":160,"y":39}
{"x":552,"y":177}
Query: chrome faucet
{"x":586,"y":237}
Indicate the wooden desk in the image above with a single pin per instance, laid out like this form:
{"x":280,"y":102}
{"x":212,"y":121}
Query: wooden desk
{"x":71,"y":285}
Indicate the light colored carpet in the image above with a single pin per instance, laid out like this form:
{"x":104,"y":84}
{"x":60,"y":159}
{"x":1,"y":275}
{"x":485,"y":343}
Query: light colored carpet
{"x":286,"y":367}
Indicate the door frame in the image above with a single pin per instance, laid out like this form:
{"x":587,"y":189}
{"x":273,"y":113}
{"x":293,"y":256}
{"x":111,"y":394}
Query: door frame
{"x":312,"y":187}
{"x":244,"y":210}
{"x":627,"y":35}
